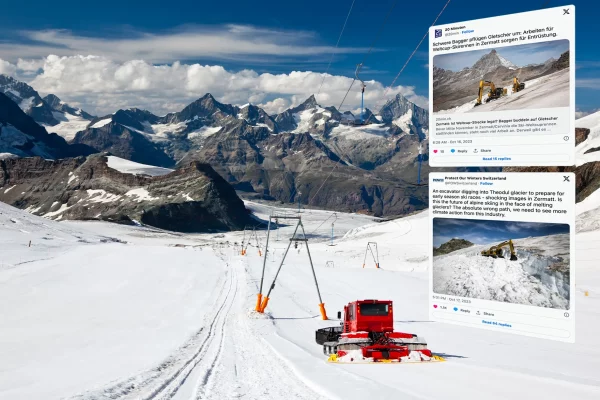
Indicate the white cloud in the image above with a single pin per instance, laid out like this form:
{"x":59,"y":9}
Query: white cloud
{"x":101,"y":85}
{"x":591,"y":83}
{"x":275,"y":106}
{"x":30,"y":65}
{"x":581,"y":114}
{"x":221,"y":42}
{"x":7,"y":68}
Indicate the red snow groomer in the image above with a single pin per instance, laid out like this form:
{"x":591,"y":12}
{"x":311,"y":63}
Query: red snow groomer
{"x":366,"y":335}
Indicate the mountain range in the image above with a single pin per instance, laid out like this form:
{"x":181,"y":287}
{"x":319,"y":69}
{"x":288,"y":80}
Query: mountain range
{"x":370,"y":168}
{"x":455,"y":88}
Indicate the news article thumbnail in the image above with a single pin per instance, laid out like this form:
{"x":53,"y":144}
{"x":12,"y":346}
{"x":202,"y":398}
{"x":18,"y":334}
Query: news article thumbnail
{"x":515,"y":262}
{"x":520,"y":77}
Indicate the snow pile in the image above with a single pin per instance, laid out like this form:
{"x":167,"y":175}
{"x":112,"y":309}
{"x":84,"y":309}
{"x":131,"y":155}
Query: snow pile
{"x":540,"y":276}
{"x":459,"y":109}
{"x":131,"y":167}
{"x":354,"y":356}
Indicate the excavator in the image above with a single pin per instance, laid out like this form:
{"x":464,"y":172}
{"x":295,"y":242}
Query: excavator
{"x":366,"y":335}
{"x":517,"y":85}
{"x":493,"y":94}
{"x":496,"y":251}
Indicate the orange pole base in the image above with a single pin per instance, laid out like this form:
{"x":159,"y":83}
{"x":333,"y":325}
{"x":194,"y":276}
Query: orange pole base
{"x":258,"y":301}
{"x":323,"y":313}
{"x":264,"y":303}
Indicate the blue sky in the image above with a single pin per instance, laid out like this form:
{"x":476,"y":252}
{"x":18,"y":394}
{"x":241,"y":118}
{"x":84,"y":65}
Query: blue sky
{"x":275,"y":37}
{"x":485,"y":231}
{"x":520,"y":55}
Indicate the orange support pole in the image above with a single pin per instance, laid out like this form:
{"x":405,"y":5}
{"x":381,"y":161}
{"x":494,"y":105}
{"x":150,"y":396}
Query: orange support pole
{"x":323,"y":313}
{"x":265,"y":301}
{"x":258,"y":301}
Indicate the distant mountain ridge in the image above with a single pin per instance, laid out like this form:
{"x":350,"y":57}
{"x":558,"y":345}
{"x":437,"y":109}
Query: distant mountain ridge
{"x":281,"y":157}
{"x":21,"y":136}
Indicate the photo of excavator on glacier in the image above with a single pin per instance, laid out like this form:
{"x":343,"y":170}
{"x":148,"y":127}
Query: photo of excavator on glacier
{"x":521,"y":77}
{"x":524,"y":263}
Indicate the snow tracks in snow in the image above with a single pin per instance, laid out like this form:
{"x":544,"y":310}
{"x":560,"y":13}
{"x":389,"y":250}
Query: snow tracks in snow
{"x":225,"y":359}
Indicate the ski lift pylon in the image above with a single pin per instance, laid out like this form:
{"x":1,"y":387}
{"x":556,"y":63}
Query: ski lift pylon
{"x":372,"y":248}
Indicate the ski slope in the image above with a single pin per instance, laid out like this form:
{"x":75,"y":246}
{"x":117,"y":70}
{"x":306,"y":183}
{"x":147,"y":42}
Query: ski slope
{"x":163,"y":315}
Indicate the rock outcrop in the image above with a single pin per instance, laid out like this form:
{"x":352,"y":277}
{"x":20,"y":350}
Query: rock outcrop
{"x":193,"y":198}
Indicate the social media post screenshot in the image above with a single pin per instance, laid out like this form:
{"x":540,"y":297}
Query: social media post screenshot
{"x":502,"y":90}
{"x":503,"y":252}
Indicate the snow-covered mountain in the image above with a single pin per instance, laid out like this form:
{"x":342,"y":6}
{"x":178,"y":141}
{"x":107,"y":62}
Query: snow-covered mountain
{"x":406,"y":115}
{"x":50,"y":112}
{"x":491,"y":62}
{"x":454,"y":89}
{"x":58,"y":105}
{"x":269,"y":155}
{"x":21,"y":136}
{"x":28,"y":100}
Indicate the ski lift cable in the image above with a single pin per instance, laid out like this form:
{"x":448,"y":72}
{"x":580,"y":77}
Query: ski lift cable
{"x":369,"y":52}
{"x":336,"y":46}
{"x":415,"y":50}
{"x":358,"y":71}
{"x":317,"y":228}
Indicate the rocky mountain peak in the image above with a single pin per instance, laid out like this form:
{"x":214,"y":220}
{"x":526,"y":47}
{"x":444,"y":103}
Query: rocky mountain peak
{"x":58,"y":105}
{"x":309,"y":103}
{"x":206,"y":108}
{"x":53,"y":101}
{"x":491,"y":62}
{"x":28,"y":100}
{"x":406,"y":115}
